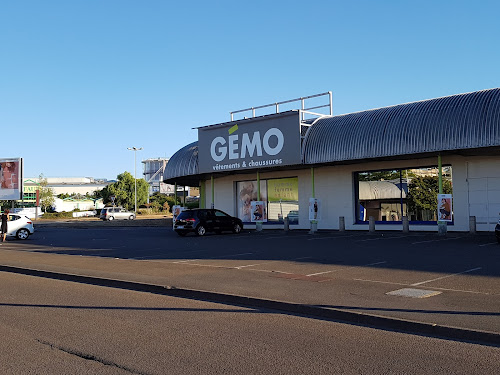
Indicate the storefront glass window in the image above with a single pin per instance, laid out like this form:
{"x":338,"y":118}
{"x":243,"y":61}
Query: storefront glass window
{"x":388,"y":195}
{"x":280,"y":196}
{"x":246,"y":193}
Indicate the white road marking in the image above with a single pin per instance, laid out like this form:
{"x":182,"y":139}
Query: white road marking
{"x":445,"y":239}
{"x":489,"y":244}
{"x":346,"y":268}
{"x":380,"y":238}
{"x":444,"y":277}
{"x":284,"y":236}
{"x":332,"y":237}
{"x":404,"y":284}
{"x":249,"y":265}
{"x":212,"y":258}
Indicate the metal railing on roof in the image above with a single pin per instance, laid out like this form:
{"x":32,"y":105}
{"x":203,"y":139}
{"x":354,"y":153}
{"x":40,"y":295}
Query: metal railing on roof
{"x":303,"y":109}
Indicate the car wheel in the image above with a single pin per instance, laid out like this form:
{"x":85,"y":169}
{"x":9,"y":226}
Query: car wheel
{"x":200,"y":230}
{"x":22,"y":234}
{"x":236,"y":228}
{"x":131,"y":217}
{"x":111,"y":218}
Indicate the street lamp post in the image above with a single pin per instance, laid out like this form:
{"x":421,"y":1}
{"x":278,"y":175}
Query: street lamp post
{"x":135,"y":149}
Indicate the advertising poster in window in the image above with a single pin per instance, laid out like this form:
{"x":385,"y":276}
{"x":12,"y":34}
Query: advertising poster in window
{"x":283,"y":190}
{"x":445,"y":212}
{"x":246,"y":193}
{"x":10,"y":179}
{"x":176,"y":211}
{"x":258,"y":212}
{"x":314,"y":209}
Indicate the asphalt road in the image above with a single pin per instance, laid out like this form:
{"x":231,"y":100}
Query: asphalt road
{"x":358,"y":272}
{"x":56,"y":327}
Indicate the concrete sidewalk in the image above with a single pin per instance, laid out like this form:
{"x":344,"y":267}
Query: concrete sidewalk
{"x":475,"y":318}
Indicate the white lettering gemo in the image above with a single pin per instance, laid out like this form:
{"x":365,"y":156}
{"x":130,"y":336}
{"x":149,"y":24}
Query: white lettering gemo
{"x":219,"y":150}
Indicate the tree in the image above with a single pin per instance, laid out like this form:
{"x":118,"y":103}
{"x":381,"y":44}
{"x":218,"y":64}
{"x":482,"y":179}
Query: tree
{"x":123,"y":191}
{"x":46,"y":194}
{"x":422,"y":193}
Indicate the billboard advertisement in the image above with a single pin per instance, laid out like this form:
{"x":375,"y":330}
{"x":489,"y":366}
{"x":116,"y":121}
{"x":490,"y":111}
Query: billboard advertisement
{"x":283,"y":189}
{"x":271,"y":141}
{"x":445,"y":211}
{"x":11,"y":179}
{"x":314,"y":209}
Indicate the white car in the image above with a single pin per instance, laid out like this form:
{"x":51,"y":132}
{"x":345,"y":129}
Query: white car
{"x":19,"y":226}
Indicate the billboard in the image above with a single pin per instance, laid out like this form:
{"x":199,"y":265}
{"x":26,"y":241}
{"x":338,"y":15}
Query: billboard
{"x":11,"y":179}
{"x":445,"y":211}
{"x":269,"y":141}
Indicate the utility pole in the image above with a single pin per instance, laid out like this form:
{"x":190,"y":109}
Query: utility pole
{"x":135,"y":149}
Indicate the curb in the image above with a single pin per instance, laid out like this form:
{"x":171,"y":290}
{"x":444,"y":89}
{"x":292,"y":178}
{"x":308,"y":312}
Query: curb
{"x":374,"y":321}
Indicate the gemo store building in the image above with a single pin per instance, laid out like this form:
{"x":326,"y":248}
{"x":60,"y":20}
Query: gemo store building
{"x":385,"y":165}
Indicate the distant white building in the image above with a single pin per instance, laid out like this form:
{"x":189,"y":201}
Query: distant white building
{"x":70,"y":204}
{"x":153,"y":174}
{"x":70,"y":185}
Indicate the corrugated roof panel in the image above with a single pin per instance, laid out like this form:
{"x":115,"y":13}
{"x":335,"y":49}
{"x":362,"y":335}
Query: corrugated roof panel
{"x":451,"y":123}
{"x":183,"y":163}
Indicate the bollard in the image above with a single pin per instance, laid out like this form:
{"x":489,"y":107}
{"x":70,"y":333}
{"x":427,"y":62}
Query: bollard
{"x":258,"y":226}
{"x":286,"y":224}
{"x":406,"y":225}
{"x":314,"y":227}
{"x":341,"y":224}
{"x":371,"y":221}
{"x":442,"y":228}
{"x":472,"y":224}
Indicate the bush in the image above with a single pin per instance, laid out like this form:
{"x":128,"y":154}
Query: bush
{"x":195,"y":204}
{"x":57,"y":215}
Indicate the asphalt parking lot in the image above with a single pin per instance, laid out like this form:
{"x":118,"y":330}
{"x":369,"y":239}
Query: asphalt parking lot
{"x":451,"y":280}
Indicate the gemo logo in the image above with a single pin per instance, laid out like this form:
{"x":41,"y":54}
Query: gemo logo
{"x":236,"y":149}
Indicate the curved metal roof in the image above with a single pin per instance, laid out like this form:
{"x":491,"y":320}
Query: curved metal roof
{"x":464,"y":121}
{"x":183,"y":163}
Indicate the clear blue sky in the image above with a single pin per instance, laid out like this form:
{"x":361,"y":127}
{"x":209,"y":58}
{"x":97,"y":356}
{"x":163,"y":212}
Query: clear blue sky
{"x":82,"y":80}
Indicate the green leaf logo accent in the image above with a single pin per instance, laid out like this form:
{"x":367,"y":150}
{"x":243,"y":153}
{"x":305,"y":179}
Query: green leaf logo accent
{"x":233,"y":129}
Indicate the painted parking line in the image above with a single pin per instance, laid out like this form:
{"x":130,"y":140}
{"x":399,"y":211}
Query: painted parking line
{"x":380,"y":238}
{"x":246,"y":266}
{"x":444,"y":239}
{"x":332,"y":237}
{"x":284,"y":236}
{"x":212,"y":258}
{"x":444,"y":277}
{"x":489,"y":244}
{"x":434,"y":287}
{"x":346,"y":268}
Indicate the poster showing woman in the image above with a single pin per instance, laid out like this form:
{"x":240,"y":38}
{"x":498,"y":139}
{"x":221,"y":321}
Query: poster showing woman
{"x":176,"y":211}
{"x":247,"y":192}
{"x":445,"y":212}
{"x":258,"y":212}
{"x":10,"y":179}
{"x":314,"y":209}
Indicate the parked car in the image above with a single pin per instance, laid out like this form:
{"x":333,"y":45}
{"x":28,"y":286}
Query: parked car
{"x":118,"y":213}
{"x":202,"y":220}
{"x":497,"y":231}
{"x":20,"y":227}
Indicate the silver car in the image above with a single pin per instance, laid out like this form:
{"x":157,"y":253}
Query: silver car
{"x":116,"y":213}
{"x":20,"y":227}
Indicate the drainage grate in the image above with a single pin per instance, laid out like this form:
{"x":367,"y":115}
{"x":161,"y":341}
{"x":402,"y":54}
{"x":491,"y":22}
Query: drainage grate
{"x":413,"y":293}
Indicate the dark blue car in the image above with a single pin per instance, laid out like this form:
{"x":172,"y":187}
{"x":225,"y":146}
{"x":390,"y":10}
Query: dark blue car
{"x":202,"y":220}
